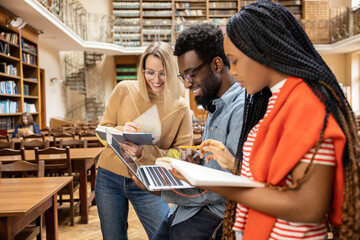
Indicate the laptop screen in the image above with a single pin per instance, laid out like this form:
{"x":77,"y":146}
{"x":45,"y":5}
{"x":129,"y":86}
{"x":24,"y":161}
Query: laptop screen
{"x":129,"y":161}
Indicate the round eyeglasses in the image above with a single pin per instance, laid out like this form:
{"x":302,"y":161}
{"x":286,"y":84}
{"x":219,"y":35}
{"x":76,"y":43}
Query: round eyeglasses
{"x":151,"y":74}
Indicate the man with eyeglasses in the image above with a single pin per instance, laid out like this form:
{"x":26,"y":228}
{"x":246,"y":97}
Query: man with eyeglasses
{"x":204,"y":70}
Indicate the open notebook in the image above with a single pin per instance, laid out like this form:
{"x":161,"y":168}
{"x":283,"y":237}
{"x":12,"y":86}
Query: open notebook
{"x":150,"y":175}
{"x":198,"y":175}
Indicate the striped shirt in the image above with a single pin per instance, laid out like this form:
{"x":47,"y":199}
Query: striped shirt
{"x":284,"y":229}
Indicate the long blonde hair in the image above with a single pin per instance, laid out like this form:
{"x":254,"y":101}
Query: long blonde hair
{"x":174,"y":89}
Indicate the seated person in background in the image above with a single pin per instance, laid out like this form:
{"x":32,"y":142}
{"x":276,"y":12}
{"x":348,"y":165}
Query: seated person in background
{"x":204,"y":69}
{"x":26,"y":127}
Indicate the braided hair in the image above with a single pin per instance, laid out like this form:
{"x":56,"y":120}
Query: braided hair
{"x":269,"y":34}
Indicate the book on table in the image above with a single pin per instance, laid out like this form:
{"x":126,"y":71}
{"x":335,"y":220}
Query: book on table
{"x":200,"y":176}
{"x":138,"y":138}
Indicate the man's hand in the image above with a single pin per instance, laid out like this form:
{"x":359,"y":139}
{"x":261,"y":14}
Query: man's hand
{"x":139,"y":184}
{"x":191,"y":156}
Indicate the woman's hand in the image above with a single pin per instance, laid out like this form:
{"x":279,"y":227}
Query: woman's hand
{"x":219,"y":153}
{"x":131,"y":127}
{"x":132,"y":149}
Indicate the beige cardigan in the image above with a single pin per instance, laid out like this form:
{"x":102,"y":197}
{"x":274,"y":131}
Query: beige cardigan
{"x":170,"y":127}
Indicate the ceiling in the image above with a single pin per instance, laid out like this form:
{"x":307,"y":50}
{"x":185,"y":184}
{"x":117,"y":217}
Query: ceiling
{"x":56,"y":34}
{"x":60,"y":37}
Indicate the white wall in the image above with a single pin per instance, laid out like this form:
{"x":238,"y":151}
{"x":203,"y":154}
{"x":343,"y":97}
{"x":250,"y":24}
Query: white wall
{"x":50,"y":61}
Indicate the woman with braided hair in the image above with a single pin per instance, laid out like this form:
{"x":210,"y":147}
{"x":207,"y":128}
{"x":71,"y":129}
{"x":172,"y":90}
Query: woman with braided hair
{"x":298,"y":137}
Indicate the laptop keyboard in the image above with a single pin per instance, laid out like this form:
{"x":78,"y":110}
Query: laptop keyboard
{"x":157,"y":174}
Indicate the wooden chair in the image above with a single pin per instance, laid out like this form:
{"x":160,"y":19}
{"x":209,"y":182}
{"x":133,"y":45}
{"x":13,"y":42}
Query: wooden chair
{"x":64,"y":136}
{"x":10,"y":145}
{"x":12,"y":152}
{"x":73,"y":143}
{"x":23,"y":168}
{"x":34,"y":136}
{"x":34,"y":143}
{"x":61,"y":166}
{"x":4,"y":138}
{"x":91,"y":139}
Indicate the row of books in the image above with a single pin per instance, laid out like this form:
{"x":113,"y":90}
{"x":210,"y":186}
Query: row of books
{"x":183,"y":5}
{"x":128,"y":43}
{"x":128,"y":36}
{"x":8,"y":69}
{"x":163,"y":13}
{"x":127,"y":28}
{"x":156,"y":5}
{"x":8,"y":87}
{"x":28,"y":47}
{"x":126,"y":5}
{"x":156,"y":22}
{"x":188,"y":12}
{"x":157,"y":31}
{"x":126,"y":77}
{"x":26,"y":89}
{"x":5,"y":48}
{"x":126,"y":13}
{"x":127,"y":21}
{"x":7,"y":106}
{"x":9,"y":37}
{"x":7,"y":123}
{"x":28,"y":58}
{"x":126,"y":69}
{"x":29,"y":107}
{"x":222,"y":4}
{"x":222,"y":12}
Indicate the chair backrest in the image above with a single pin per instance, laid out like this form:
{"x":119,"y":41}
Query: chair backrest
{"x":92,"y":140}
{"x":4,"y":138}
{"x":60,"y":163}
{"x":73,"y":143}
{"x":34,"y":136}
{"x":34,"y":143}
{"x":23,"y":168}
{"x":12,"y":152}
{"x":64,"y":136}
{"x":10,"y":145}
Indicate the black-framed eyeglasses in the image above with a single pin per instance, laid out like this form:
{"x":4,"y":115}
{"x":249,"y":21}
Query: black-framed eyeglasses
{"x":188,"y":77}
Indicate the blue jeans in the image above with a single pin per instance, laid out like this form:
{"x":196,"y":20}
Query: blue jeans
{"x":202,"y":226}
{"x":112,"y":193}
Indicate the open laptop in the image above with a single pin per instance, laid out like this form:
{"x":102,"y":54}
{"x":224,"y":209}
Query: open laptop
{"x":151,"y":176}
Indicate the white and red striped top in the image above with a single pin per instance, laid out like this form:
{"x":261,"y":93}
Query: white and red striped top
{"x":284,"y":229}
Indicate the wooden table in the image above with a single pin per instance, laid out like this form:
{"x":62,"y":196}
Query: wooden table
{"x":82,"y":159}
{"x":22,"y":200}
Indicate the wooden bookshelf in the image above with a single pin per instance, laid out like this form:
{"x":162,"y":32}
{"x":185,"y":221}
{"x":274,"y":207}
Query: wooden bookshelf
{"x":126,"y":68}
{"x":140,"y":22}
{"x":19,"y":67}
{"x":127,"y":31}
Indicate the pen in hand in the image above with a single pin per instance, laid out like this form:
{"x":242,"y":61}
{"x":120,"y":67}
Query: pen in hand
{"x":197,"y":147}
{"x":133,"y":125}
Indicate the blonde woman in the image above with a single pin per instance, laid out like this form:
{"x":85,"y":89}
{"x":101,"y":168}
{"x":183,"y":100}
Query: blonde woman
{"x":152,"y":104}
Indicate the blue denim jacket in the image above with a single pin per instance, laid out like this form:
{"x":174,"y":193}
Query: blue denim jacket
{"x":224,"y":125}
